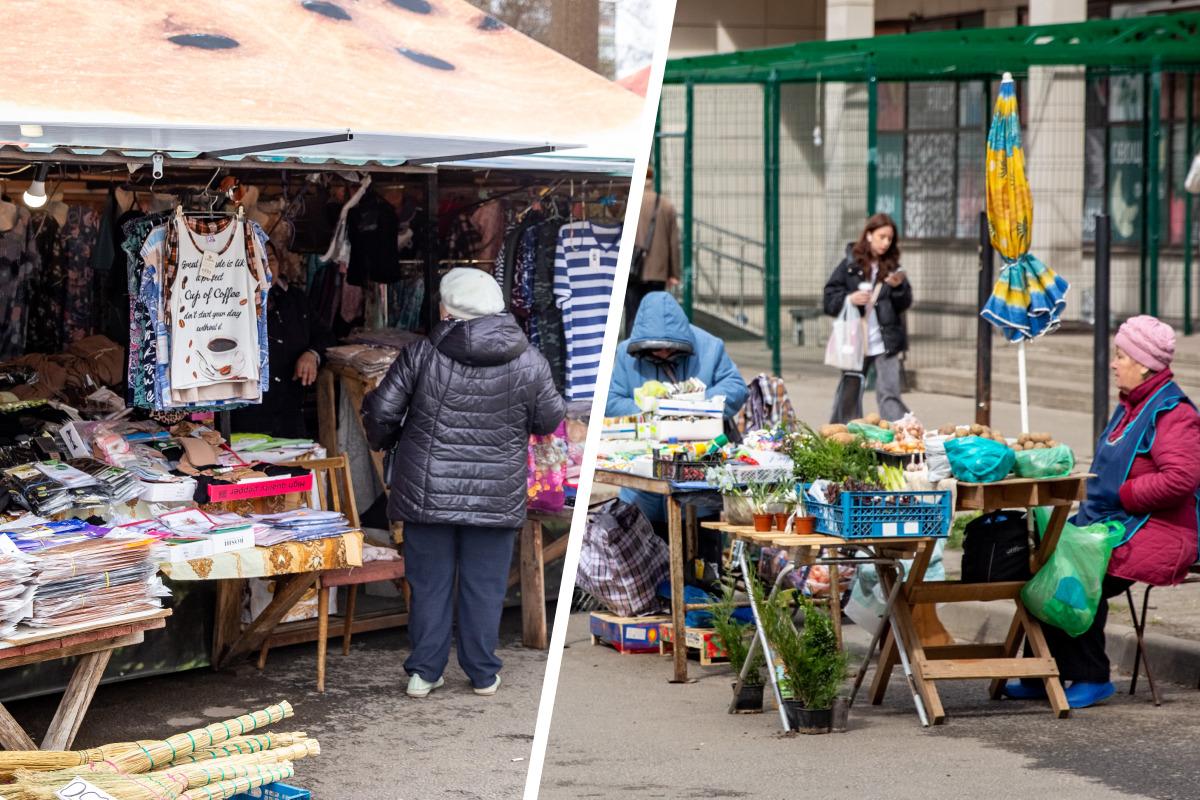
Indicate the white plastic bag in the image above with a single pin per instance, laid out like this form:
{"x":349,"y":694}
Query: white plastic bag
{"x":846,"y":345}
{"x":935,"y":458}
{"x":1192,"y":183}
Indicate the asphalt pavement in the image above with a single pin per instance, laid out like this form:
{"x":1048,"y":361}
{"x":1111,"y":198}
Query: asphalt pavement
{"x":376,"y":742}
{"x":621,"y":730}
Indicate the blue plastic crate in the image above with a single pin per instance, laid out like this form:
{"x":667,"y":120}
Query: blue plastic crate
{"x":275,"y":791}
{"x":860,"y":515}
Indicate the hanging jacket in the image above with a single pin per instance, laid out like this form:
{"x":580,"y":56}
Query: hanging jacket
{"x":889,"y":308}
{"x":461,"y":405}
{"x":660,"y":318}
{"x":1162,"y":484}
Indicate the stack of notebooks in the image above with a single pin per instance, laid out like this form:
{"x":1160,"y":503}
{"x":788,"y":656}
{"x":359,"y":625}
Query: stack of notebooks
{"x":16,"y":590}
{"x":301,"y":525}
{"x":74,"y":573}
{"x":51,"y":487}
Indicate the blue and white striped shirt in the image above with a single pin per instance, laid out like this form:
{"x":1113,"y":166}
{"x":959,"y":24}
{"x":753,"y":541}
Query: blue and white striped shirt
{"x":585,"y":264}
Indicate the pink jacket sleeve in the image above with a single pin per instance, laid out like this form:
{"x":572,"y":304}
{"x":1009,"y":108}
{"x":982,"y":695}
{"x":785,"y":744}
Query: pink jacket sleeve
{"x":1177,"y":470}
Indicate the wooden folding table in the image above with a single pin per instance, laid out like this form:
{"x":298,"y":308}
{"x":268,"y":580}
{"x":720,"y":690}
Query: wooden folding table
{"x":94,"y":646}
{"x":994,"y":661}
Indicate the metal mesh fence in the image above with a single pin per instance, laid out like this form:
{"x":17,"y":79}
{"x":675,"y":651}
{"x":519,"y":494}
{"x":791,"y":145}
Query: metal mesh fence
{"x":1087,"y":148}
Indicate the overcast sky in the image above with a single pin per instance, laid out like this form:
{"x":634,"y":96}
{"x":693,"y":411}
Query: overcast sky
{"x":635,"y":34}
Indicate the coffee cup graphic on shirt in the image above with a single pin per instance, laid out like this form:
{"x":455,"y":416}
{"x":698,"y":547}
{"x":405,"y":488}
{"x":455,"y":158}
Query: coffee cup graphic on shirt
{"x":222,"y":357}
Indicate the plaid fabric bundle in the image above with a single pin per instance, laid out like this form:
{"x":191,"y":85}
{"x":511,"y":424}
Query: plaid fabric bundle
{"x":622,"y":561}
{"x":767,"y":406}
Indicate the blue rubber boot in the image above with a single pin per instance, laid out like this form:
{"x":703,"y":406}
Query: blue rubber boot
{"x":1082,"y":695}
{"x":1025,"y":690}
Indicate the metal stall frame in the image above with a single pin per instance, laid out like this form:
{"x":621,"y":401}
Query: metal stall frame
{"x":1150,"y":45}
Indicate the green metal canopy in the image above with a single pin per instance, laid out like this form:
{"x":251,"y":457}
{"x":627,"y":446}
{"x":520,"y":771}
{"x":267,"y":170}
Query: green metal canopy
{"x":1164,"y":41}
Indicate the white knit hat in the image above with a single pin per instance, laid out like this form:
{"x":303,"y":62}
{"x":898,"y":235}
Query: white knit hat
{"x":468,"y":293}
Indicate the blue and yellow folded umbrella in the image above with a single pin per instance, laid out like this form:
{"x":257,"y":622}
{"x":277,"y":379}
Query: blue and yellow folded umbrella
{"x":1029,"y":297}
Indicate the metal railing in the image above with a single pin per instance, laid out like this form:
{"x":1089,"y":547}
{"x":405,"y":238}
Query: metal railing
{"x":727,"y":277}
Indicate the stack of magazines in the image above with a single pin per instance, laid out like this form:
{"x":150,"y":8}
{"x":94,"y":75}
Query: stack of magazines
{"x":301,"y":525}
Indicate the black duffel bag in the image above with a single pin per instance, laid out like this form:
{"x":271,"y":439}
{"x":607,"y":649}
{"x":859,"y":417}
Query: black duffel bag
{"x":996,"y":548}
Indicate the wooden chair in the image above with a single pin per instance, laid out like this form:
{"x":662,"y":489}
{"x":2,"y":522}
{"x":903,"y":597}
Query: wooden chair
{"x":335,"y":491}
{"x":1139,"y":628}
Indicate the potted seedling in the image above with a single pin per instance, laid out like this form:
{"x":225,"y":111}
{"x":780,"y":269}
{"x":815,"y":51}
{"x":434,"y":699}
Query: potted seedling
{"x":813,"y":665}
{"x":786,"y":497}
{"x":762,"y":495}
{"x":735,"y":638}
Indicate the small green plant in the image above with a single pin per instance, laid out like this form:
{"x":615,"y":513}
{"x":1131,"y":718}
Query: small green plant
{"x":813,"y":664}
{"x":734,"y":639}
{"x":762,"y":495}
{"x":817,"y":458}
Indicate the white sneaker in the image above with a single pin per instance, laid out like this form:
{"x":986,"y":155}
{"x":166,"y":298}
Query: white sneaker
{"x":490,"y":690}
{"x":419,"y":687}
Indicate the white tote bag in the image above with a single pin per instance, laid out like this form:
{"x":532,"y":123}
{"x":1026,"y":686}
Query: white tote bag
{"x":847,"y":343}
{"x":1192,"y":183}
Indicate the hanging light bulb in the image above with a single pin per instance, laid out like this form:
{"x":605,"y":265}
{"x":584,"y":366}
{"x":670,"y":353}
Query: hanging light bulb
{"x":35,"y":195}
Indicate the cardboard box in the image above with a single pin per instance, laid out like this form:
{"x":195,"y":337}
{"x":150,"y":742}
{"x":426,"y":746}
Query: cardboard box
{"x":703,"y":640}
{"x":209,"y":544}
{"x":680,"y":407}
{"x":626,"y":634}
{"x":693,"y":430}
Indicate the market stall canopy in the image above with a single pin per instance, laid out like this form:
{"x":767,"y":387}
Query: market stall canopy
{"x":414,"y":81}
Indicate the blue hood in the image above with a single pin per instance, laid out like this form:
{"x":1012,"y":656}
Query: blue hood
{"x":661,"y":319}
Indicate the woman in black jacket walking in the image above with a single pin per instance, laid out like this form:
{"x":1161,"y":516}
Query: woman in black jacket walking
{"x":460,"y":407}
{"x":871,"y":277}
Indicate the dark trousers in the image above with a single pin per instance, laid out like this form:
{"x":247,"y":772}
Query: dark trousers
{"x":1082,"y":658}
{"x":480,"y":559}
{"x":633,"y":299}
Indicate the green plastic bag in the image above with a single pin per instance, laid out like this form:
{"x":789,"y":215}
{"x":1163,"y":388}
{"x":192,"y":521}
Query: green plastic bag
{"x":872,"y":433}
{"x":1050,"y":462}
{"x":1065,"y":592}
{"x":977,"y":460}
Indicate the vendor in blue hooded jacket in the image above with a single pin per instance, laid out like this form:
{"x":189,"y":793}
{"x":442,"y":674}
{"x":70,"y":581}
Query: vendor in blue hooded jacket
{"x":665,"y":347}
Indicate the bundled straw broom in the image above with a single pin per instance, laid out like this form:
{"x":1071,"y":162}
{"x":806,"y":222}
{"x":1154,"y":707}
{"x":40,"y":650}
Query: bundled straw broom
{"x":243,"y":745}
{"x":139,"y":757}
{"x":226,"y":789}
{"x":167,"y":783}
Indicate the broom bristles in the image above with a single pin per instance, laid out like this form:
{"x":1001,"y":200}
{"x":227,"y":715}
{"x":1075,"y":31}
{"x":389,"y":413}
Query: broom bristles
{"x":242,"y":745}
{"x":226,"y":789}
{"x":141,"y":757}
{"x":43,"y":785}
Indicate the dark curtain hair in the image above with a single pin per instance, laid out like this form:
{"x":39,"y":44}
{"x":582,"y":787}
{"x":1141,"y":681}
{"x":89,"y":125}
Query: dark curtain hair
{"x":862,"y":253}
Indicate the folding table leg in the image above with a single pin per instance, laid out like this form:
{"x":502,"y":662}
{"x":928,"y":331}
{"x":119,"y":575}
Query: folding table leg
{"x":80,"y":691}
{"x":1037,"y":643}
{"x":678,"y":601}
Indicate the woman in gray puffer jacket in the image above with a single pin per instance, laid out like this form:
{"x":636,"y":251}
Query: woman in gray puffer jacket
{"x":460,"y":407}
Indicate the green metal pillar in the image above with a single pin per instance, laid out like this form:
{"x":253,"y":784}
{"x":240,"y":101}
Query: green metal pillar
{"x":1189,"y":149}
{"x":872,"y":138}
{"x":688,"y":210}
{"x":1153,"y":182}
{"x":771,"y":126}
{"x":658,"y":150}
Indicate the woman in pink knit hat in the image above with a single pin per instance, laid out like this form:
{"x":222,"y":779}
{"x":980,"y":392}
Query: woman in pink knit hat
{"x":1147,"y":476}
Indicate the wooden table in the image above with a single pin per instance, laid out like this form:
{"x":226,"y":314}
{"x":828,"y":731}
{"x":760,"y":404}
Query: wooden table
{"x":94,"y":645}
{"x":999,"y":661}
{"x":294,"y":566}
{"x":676,"y":545}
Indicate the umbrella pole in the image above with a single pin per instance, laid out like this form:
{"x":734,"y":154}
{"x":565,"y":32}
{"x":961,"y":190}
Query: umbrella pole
{"x":1023,"y":383}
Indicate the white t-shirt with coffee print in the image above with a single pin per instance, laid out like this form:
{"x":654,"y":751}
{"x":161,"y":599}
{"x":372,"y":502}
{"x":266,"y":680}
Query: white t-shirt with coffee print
{"x":214,"y":332}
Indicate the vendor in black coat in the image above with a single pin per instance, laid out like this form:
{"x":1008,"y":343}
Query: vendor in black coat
{"x":295,"y":348}
{"x":871,"y":277}
{"x":459,"y":408}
